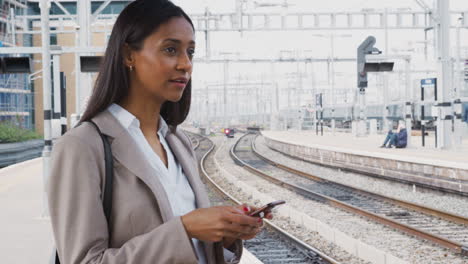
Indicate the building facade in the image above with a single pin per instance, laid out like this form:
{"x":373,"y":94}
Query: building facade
{"x":63,"y":35}
{"x":16,"y":90}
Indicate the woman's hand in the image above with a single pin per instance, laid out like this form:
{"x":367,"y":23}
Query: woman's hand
{"x":246,"y":210}
{"x":216,"y":223}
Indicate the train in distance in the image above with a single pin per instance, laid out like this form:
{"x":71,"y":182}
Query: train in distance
{"x":229,"y":132}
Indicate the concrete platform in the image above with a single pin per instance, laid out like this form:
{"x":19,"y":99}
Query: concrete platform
{"x":25,"y":234}
{"x":425,"y":166}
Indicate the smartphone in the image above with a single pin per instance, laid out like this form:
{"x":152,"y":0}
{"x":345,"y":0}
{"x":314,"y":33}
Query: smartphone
{"x":261,"y":212}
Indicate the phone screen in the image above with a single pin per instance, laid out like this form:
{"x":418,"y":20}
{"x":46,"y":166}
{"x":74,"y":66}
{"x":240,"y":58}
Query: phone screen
{"x":262,"y":211}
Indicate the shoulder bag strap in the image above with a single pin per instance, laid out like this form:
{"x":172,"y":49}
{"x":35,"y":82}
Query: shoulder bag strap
{"x":107,"y":197}
{"x":109,"y":169}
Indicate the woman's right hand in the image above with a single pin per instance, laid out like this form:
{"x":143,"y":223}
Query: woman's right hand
{"x":215,"y":223}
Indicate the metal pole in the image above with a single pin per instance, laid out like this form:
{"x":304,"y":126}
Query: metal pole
{"x":332,"y":37}
{"x":444,"y":102}
{"x":238,"y":19}
{"x":83,"y":41}
{"x":46,"y":83}
{"x":225,"y":123}
{"x":385,"y":95}
{"x":316,"y":120}
{"x":423,"y":126}
{"x":458,"y":125}
{"x":409,"y":99}
{"x":321,"y":115}
{"x":260,"y":104}
{"x":385,"y":100}
{"x":77,"y":75}
{"x":362,"y":120}
{"x":275,"y":108}
{"x":236,"y":97}
{"x":297,"y":94}
{"x":314,"y":93}
{"x":207,"y":34}
{"x":423,"y":117}
{"x":207,"y":107}
{"x":63,"y":103}
{"x":257,"y":106}
{"x":459,"y":79}
{"x":425,"y":45}
{"x":13,"y":26}
{"x":57,"y":96}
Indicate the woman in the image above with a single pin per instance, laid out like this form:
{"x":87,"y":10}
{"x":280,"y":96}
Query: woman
{"x":160,"y":209}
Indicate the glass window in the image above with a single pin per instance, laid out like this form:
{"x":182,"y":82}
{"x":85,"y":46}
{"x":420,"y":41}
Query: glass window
{"x":53,"y":37}
{"x":112,"y":8}
{"x":33,"y":8}
{"x":69,"y":6}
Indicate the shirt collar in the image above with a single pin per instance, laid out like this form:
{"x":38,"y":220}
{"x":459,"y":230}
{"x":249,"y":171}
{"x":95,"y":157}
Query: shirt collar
{"x":163,"y":127}
{"x":128,"y":120}
{"x":125,"y":118}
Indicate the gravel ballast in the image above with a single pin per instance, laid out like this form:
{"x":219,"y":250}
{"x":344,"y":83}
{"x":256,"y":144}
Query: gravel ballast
{"x":435,"y":199}
{"x":386,"y":239}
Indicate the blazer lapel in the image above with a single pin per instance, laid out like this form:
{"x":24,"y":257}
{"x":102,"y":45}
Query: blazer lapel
{"x":125,"y":150}
{"x":191,"y":172}
{"x":185,"y":160}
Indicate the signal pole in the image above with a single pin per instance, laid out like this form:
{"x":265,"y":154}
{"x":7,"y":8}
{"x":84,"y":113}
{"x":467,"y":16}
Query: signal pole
{"x":444,"y":104}
{"x":366,"y":47}
{"x":47,"y":98}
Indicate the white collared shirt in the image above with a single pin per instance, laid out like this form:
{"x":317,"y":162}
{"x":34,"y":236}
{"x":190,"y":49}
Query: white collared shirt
{"x":175,"y":183}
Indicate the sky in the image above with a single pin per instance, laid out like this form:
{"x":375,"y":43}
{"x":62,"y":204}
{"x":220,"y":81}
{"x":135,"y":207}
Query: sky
{"x":307,"y":43}
{"x":198,"y":6}
{"x":253,"y":43}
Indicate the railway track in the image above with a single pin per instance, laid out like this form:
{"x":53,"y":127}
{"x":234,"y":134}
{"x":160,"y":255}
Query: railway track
{"x":445,"y":229}
{"x":195,"y":142}
{"x":273,"y":244}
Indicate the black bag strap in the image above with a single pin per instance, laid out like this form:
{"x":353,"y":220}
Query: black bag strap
{"x":109,"y":169}
{"x":107,"y":199}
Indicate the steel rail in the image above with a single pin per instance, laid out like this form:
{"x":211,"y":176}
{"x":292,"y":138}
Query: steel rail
{"x":197,"y":143}
{"x":283,"y":232}
{"x":413,"y":206}
{"x":457,"y":247}
{"x":342,"y":166}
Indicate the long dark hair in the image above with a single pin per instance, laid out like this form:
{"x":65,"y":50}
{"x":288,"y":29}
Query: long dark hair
{"x":136,"y":22}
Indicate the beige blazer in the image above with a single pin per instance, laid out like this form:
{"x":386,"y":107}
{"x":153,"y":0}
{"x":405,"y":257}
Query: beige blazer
{"x":142,"y":228}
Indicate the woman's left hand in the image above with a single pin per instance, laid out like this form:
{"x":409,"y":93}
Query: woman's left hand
{"x":246,"y":209}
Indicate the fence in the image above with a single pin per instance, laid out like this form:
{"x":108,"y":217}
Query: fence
{"x":12,"y":153}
